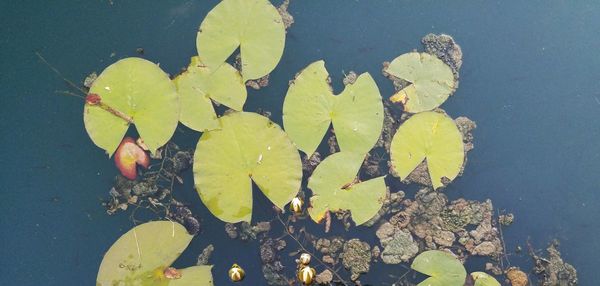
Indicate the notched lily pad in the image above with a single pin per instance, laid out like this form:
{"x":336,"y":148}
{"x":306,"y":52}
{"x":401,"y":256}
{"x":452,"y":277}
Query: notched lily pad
{"x":255,"y":26}
{"x":248,"y":147}
{"x":310,"y":106}
{"x":432,"y":136}
{"x":443,"y":267}
{"x":198,"y":85}
{"x":431,"y":81}
{"x":141,"y":256}
{"x":334,"y":187}
{"x":140,"y":90}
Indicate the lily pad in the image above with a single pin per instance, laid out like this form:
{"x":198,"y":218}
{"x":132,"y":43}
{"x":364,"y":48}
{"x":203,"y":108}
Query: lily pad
{"x":334,"y":188}
{"x":198,"y":85}
{"x":141,"y":255}
{"x":432,"y":136}
{"x":140,"y":90}
{"x":443,"y":267}
{"x":431,"y":81}
{"x":310,"y":106}
{"x":254,"y":26}
{"x":248,"y":147}
{"x":484,"y":279}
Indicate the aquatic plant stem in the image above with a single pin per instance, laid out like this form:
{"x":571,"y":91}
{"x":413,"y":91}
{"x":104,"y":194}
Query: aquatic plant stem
{"x":287,"y":232}
{"x":70,"y":83}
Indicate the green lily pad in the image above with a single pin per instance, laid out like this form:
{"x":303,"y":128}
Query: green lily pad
{"x":141,"y":255}
{"x":333,"y":187}
{"x":142,"y":91}
{"x":443,"y":267}
{"x":431,"y":80}
{"x":484,"y":279}
{"x":310,"y":106}
{"x":253,"y":25}
{"x":198,"y":85}
{"x":432,"y":136}
{"x":248,"y":147}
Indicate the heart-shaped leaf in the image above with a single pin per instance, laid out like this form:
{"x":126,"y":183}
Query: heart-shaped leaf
{"x":431,"y":81}
{"x":432,"y":136}
{"x":443,"y":267}
{"x":248,"y":147}
{"x":141,"y":255}
{"x":334,"y":188}
{"x":310,"y":106}
{"x":137,"y":89}
{"x":253,"y":25}
{"x":198,"y":85}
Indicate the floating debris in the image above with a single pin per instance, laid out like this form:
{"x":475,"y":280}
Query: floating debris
{"x":517,"y":277}
{"x":552,"y":270}
{"x":245,"y":231}
{"x":356,"y":257}
{"x":204,"y":257}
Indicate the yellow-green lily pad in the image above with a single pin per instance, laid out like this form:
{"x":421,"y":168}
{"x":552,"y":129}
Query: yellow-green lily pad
{"x":310,"y":106}
{"x":140,"y":90}
{"x":334,"y":188}
{"x":254,"y":26}
{"x":432,"y":136}
{"x":442,"y":267}
{"x":140,"y":257}
{"x":199,"y":85}
{"x":248,"y":148}
{"x":431,"y":81}
{"x":484,"y":279}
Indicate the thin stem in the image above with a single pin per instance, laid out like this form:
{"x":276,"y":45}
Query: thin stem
{"x":73,"y":85}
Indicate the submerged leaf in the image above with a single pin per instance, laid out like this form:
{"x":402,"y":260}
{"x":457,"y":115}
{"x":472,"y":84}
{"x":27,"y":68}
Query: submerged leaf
{"x":334,"y":188}
{"x":141,"y":255}
{"x":484,"y":279}
{"x":443,"y":267}
{"x":310,"y":106}
{"x":432,"y":136}
{"x":254,"y":26}
{"x":248,"y":147}
{"x":140,"y":90}
{"x":199,"y":84}
{"x":431,"y":81}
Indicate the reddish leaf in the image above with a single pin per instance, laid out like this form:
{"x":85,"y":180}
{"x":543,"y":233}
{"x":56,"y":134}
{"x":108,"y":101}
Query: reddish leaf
{"x":128,"y":155}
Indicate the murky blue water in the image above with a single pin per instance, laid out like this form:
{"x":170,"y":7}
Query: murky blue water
{"x":531,"y":80}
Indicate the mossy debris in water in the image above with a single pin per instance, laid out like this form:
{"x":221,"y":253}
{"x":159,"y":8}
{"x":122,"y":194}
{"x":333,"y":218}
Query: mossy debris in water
{"x":552,"y":270}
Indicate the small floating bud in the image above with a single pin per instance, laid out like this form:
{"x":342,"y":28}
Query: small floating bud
{"x":93,"y":99}
{"x":172,"y":273}
{"x":296,"y":205}
{"x":306,"y":275}
{"x":236,"y":273}
{"x":305,"y":259}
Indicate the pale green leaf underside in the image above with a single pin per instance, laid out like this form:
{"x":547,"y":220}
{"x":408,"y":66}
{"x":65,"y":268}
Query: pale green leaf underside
{"x":443,"y":267}
{"x":431,"y":80}
{"x":310,"y":106}
{"x":141,"y":90}
{"x":248,"y":147}
{"x":484,"y":279}
{"x":432,"y":136}
{"x":198,"y":85}
{"x":362,"y":199}
{"x":253,"y":25}
{"x":139,"y":256}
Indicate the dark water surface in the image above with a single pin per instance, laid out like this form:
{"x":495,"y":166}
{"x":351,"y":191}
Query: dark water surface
{"x":530,"y":79}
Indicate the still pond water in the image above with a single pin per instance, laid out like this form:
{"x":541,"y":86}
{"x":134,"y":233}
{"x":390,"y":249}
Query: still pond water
{"x":530,"y":79}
